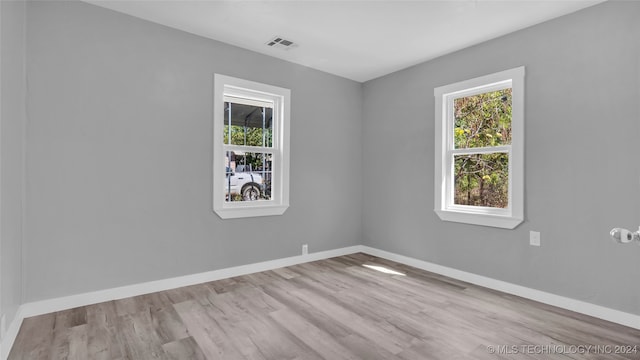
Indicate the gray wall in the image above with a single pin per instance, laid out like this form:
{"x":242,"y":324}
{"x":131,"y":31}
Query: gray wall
{"x":119,"y":157}
{"x":582,"y":169}
{"x":119,"y":161}
{"x":12,"y":123}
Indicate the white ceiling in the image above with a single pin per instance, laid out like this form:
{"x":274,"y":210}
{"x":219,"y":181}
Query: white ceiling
{"x":358,"y":40}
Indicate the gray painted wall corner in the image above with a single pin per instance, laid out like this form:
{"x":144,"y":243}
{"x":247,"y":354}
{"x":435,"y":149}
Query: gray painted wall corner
{"x":581,"y":168}
{"x":119,"y":146}
{"x":12,"y":126}
{"x":120,"y":161}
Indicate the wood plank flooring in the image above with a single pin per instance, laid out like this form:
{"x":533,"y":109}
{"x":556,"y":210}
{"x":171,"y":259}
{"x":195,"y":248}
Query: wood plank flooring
{"x":330,"y":309}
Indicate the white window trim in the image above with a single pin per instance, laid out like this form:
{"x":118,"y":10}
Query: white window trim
{"x":226,"y":86}
{"x":507,"y":218}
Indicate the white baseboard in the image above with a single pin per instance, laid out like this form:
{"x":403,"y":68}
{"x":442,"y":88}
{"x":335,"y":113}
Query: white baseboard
{"x":68,"y":302}
{"x":601,"y":312}
{"x":11,"y":333}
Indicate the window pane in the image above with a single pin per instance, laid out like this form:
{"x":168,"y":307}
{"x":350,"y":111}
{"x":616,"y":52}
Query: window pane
{"x":482,"y":180}
{"x":248,"y":125}
{"x":482,"y":120}
{"x":248,"y":176}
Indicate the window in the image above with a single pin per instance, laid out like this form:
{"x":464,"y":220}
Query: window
{"x":251,"y":148}
{"x":479,"y":139}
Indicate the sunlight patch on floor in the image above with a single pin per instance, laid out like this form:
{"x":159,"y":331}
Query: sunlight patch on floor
{"x":383,"y":269}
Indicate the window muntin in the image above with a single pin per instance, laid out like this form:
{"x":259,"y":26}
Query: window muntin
{"x":479,"y":150}
{"x":251,"y":158}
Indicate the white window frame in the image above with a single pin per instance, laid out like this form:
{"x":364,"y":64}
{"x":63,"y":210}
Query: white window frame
{"x":250,"y":91}
{"x":511,"y":216}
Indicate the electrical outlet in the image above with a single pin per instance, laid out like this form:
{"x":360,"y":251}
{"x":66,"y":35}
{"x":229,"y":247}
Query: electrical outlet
{"x":305,"y":249}
{"x":534,"y":238}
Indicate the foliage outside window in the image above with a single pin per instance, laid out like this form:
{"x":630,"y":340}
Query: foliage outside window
{"x":482,"y":121}
{"x":479,"y":150}
{"x":251,"y":159}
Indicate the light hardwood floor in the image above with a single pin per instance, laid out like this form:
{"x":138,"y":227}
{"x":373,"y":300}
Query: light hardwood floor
{"x":331,"y":309}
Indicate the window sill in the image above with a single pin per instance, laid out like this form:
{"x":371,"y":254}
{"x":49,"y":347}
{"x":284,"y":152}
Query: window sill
{"x":253,"y":211}
{"x":505,"y":222}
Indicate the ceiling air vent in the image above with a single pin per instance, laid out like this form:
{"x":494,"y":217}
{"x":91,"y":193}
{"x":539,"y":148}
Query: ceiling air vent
{"x":279,"y":42}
